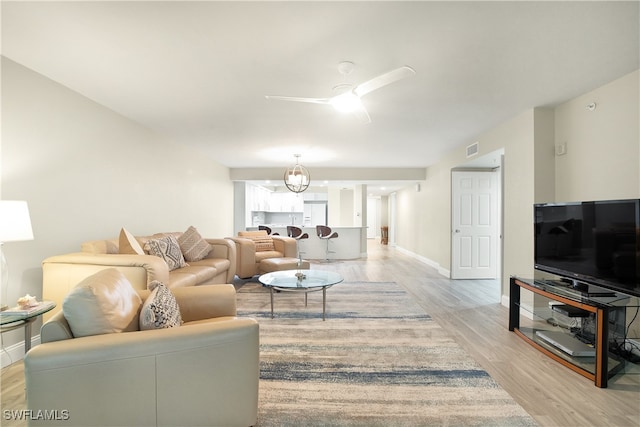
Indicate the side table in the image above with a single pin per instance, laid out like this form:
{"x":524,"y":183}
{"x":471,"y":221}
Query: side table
{"x":10,"y":320}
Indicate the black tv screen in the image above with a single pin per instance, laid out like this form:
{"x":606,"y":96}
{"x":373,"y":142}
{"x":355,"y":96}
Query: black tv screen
{"x":590,"y":242}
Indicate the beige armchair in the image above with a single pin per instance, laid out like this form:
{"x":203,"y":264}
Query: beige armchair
{"x":203,"y":373}
{"x":252,"y":247}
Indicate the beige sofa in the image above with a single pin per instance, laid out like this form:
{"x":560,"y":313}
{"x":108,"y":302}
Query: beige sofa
{"x":60,"y":273}
{"x":252,"y":247}
{"x":203,"y":373}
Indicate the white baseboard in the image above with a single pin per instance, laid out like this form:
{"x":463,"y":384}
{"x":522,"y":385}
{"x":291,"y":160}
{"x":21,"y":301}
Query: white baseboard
{"x":443,"y":271}
{"x":15,"y":352}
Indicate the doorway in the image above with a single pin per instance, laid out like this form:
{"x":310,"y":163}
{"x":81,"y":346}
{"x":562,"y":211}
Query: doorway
{"x":476,"y":219}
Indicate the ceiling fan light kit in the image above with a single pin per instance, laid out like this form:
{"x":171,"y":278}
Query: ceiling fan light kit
{"x":297,"y":177}
{"x":349,"y":101}
{"x":346,"y":103}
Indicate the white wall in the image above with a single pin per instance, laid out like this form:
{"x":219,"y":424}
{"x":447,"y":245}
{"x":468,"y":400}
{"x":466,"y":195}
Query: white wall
{"x":602,"y":162}
{"x":334,"y":206}
{"x":603,"y":149}
{"x":544,"y":155}
{"x":86,"y":171}
{"x":347,"y":208}
{"x":384,"y":211}
{"x":424,"y":218}
{"x":517,"y":136}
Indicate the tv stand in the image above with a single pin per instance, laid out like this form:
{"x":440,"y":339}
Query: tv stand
{"x":598,"y":304}
{"x":579,"y":286}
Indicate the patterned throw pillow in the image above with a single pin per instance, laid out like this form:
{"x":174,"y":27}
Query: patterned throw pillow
{"x":193,"y":246}
{"x":264,"y":244}
{"x":168,"y":249}
{"x":261,"y":239}
{"x":160,"y":310}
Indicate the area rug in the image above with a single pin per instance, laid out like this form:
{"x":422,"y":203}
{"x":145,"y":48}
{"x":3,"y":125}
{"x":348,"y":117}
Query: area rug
{"x":377,"y":360}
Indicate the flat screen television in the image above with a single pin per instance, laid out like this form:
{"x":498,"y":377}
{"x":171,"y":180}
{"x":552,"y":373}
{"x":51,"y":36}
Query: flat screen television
{"x":590,"y":242}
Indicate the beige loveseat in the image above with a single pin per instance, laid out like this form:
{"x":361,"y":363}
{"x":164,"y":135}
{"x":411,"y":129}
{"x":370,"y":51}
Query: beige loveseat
{"x":202,"y":373}
{"x":252,"y":247}
{"x":60,"y":273}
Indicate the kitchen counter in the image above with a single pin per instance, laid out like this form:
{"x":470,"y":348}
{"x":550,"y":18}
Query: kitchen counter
{"x":351,"y":242}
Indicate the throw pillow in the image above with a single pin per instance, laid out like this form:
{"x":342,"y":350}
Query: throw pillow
{"x":168,"y":249}
{"x":102,"y":303}
{"x":261,"y":239}
{"x":193,"y":246}
{"x":264,"y":244}
{"x":128,"y":244}
{"x":160,"y":310}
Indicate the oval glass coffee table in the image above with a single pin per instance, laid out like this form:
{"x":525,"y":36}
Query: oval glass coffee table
{"x":303,"y":281}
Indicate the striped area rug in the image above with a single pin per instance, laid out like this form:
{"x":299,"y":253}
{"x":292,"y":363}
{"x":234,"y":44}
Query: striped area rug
{"x":378,"y":360}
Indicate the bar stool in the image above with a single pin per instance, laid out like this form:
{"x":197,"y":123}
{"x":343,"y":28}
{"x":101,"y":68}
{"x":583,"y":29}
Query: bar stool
{"x":296,"y":233}
{"x":268,"y":230}
{"x":325,"y":233}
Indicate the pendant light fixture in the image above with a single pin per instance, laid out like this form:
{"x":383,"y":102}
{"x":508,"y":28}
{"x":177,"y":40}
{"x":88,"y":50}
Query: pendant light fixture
{"x":297,"y":177}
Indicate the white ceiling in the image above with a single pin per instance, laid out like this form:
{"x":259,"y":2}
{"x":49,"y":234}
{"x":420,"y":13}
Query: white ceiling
{"x":198,"y":72}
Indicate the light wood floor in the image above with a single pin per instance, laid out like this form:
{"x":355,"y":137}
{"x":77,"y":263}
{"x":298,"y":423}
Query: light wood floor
{"x":471,"y":312}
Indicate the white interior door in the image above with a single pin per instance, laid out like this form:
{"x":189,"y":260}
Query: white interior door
{"x":373,"y":215}
{"x":392,"y":219}
{"x":475,"y":225}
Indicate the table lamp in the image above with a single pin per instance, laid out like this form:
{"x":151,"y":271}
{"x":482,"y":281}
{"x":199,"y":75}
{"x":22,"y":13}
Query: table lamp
{"x":15,"y":226}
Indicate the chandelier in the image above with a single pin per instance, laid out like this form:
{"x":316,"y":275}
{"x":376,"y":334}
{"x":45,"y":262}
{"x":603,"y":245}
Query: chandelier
{"x":297,"y":177}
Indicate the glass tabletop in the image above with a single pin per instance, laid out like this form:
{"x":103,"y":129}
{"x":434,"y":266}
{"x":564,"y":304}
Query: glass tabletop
{"x":13,"y":315}
{"x":304,"y":279}
{"x":595,"y":295}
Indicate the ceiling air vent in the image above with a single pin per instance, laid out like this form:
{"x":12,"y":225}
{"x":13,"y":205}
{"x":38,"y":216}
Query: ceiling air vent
{"x":472,"y":149}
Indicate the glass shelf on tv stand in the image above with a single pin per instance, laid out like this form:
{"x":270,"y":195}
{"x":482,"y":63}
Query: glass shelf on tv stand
{"x":526,"y":321}
{"x":531,"y":322}
{"x":593,"y":295}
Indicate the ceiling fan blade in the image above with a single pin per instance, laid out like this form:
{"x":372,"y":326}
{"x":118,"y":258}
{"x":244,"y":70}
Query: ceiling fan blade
{"x":383,"y":80}
{"x":297,"y":99}
{"x":362,"y":114}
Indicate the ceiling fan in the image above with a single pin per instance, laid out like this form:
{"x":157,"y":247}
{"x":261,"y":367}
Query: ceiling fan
{"x":348,"y":98}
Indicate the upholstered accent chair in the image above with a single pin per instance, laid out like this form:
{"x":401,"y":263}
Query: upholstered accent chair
{"x":97,"y":368}
{"x":252,"y":247}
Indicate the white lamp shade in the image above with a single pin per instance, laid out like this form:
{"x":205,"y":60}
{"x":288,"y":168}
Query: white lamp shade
{"x":15,"y":223}
{"x":297,"y":177}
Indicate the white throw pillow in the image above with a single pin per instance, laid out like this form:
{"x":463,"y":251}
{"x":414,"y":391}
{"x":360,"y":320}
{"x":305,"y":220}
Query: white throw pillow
{"x":102,"y":303}
{"x":127,"y":243}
